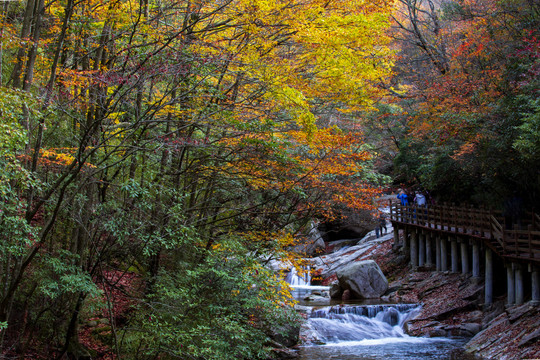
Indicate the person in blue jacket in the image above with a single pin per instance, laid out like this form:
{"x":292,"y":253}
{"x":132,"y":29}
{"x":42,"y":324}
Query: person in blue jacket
{"x":403,"y":198}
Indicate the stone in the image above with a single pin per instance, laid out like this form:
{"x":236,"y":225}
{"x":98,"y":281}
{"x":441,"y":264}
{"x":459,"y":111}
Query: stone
{"x":364,"y":279}
{"x":438,"y":332}
{"x":316,"y":298}
{"x":285,"y":354}
{"x":530,"y":338}
{"x":391,"y":316}
{"x":471,"y":329}
{"x":335,"y":290}
{"x":346,"y":295}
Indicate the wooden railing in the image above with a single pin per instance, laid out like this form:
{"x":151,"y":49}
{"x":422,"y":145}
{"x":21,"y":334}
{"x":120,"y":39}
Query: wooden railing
{"x":488,"y":226}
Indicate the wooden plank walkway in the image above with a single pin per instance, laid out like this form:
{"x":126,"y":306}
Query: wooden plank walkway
{"x":481,"y":225}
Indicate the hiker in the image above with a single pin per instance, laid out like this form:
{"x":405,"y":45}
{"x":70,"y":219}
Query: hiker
{"x":403,"y":198}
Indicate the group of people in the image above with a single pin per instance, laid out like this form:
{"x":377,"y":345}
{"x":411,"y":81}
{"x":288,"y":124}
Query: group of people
{"x":418,"y":198}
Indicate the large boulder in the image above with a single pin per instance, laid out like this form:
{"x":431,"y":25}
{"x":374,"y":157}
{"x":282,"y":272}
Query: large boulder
{"x":364,"y":279}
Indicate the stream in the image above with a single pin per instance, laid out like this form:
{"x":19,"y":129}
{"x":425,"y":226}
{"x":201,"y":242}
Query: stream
{"x":364,"y":330}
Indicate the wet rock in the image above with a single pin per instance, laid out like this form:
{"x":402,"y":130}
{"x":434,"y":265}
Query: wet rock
{"x":364,"y":279}
{"x":302,"y":308}
{"x":316,"y":298}
{"x":391,"y":316}
{"x":346,"y":295}
{"x":335,"y":290}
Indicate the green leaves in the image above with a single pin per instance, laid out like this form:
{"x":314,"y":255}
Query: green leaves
{"x":59,"y":274}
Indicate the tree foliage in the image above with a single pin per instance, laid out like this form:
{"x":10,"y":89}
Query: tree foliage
{"x":467,"y":70}
{"x":157,"y":151}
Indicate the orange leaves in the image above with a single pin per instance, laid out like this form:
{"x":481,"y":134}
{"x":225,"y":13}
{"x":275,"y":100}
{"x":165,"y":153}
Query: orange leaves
{"x":56,"y":159}
{"x":324,"y":167}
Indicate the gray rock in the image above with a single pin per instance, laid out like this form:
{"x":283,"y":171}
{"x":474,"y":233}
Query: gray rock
{"x":437,"y":332}
{"x":471,"y":329}
{"x":316,"y":298}
{"x":391,"y":317}
{"x":364,"y":279}
{"x":285,"y":354}
{"x":335,"y":290}
{"x":330,"y":264}
{"x":530,"y":338}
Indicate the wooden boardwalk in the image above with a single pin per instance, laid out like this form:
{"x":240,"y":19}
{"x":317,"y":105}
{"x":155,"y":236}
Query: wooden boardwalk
{"x":452,"y":238}
{"x":481,"y":225}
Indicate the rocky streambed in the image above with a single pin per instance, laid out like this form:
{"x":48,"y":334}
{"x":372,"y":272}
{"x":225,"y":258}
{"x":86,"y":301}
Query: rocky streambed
{"x":451,"y":303}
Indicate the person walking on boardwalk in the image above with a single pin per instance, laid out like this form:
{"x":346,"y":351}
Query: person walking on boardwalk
{"x":403,"y":198}
{"x":420,"y":199}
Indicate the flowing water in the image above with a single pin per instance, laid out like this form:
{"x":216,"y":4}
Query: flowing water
{"x":363,"y":331}
{"x":374,"y":332}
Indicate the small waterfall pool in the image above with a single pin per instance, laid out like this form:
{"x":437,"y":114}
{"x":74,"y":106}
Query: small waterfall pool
{"x":362,"y":330}
{"x":388,"y":348}
{"x":373,"y":332}
{"x":366,"y":331}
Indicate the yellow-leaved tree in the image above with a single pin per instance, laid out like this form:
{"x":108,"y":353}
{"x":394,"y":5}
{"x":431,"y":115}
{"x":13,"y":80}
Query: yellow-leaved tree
{"x":172,"y":146}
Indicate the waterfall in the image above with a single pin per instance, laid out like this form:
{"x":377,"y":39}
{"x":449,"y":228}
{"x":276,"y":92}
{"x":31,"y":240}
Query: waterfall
{"x":337,"y":324}
{"x":296,"y":280}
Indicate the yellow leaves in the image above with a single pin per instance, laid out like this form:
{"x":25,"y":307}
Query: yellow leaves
{"x":61,"y":158}
{"x":295,"y":101}
{"x":71,"y":79}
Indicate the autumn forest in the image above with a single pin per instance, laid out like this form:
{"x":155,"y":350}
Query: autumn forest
{"x":155,"y":154}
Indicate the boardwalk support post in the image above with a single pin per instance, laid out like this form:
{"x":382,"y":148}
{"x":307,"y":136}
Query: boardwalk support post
{"x":414,"y":248}
{"x":438,"y":252}
{"x":444,"y":254}
{"x":488,"y":294}
{"x":421,"y":248}
{"x":520,"y":291}
{"x":535,"y":284}
{"x":455,"y":256}
{"x":406,"y":240}
{"x":396,"y":236}
{"x":510,"y":285}
{"x":464,"y":257}
{"x":476,"y":260}
{"x":429,"y":258}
